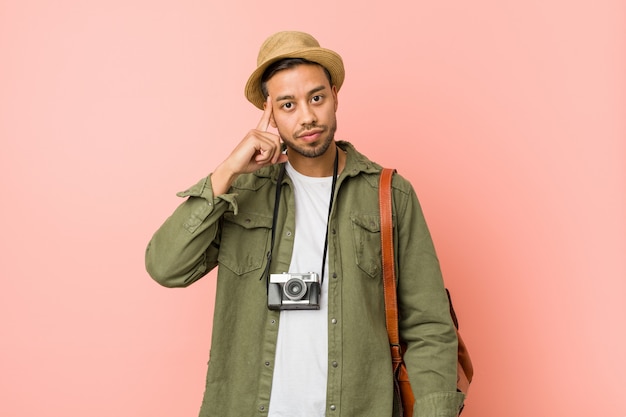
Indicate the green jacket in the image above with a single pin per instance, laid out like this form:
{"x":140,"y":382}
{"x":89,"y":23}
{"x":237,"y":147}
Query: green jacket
{"x":233,"y":231}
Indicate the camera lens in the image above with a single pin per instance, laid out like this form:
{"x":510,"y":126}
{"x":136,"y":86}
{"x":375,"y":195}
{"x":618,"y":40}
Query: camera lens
{"x":294,"y":289}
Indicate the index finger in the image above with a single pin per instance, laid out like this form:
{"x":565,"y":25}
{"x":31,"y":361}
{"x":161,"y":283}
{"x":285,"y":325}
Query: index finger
{"x":267,"y":113}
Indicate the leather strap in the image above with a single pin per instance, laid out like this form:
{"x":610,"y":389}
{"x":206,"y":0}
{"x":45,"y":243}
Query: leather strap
{"x":388,"y":261}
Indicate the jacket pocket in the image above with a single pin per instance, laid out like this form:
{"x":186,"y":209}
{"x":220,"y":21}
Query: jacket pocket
{"x":366,"y":238}
{"x":244,"y":241}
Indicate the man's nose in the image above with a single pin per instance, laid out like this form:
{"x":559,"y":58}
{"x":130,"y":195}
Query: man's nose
{"x":307,"y":116}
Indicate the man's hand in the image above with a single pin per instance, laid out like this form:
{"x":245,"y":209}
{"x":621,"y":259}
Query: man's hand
{"x":259,"y":148}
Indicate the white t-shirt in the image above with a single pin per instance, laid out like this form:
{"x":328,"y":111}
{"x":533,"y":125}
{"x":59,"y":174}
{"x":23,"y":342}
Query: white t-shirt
{"x":301,"y":363}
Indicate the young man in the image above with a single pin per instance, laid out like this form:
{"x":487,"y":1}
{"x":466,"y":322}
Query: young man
{"x":299,"y":323}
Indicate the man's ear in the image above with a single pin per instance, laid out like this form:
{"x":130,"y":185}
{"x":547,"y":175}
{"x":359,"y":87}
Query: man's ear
{"x":335,"y":95}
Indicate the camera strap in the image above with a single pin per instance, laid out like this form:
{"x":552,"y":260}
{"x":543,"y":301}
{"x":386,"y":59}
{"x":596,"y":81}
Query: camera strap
{"x":279,"y":180}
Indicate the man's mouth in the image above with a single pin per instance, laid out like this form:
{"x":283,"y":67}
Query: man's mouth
{"x":310,"y":135}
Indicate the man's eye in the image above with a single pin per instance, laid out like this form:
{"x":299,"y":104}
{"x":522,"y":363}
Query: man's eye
{"x":287,"y":106}
{"x":316,"y":99}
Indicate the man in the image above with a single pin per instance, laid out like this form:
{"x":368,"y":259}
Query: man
{"x":299,"y":322}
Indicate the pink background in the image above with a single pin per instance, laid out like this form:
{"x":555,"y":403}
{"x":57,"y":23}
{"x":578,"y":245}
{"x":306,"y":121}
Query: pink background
{"x":507,"y":116}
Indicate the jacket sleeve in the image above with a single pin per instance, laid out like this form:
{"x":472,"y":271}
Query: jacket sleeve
{"x":425,"y":323}
{"x":185,"y":247}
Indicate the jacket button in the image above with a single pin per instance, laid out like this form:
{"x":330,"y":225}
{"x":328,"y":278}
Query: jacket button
{"x":335,"y":364}
{"x":333,"y":407}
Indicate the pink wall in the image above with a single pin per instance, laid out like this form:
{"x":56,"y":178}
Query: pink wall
{"x":508,"y":117}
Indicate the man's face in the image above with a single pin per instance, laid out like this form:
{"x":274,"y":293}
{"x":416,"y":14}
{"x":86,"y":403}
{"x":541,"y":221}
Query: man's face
{"x":304,"y":106}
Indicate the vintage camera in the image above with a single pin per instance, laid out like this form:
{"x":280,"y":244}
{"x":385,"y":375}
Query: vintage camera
{"x":294,"y":291}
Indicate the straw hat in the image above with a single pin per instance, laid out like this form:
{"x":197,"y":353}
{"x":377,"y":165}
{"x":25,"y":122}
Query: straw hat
{"x":292,"y":45}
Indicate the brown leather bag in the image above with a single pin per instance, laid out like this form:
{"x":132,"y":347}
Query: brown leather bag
{"x":465,"y":370}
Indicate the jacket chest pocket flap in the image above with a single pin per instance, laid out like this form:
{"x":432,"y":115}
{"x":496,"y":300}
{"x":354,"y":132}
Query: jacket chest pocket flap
{"x":366,"y":238}
{"x":244,"y":241}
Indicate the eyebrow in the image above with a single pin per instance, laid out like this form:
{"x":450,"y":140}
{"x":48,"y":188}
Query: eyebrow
{"x":291,"y":97}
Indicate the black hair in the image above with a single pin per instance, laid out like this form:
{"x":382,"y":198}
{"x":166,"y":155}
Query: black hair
{"x":284,"y":64}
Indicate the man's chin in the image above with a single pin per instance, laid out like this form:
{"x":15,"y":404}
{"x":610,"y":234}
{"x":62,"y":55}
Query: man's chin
{"x":313,"y":150}
{"x":309,"y":150}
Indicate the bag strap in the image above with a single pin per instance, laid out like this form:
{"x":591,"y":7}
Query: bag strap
{"x":388,"y":261}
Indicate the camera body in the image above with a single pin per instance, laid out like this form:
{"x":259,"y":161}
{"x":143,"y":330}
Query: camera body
{"x":294,"y":291}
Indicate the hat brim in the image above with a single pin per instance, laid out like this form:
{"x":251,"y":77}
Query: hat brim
{"x":325,"y":57}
